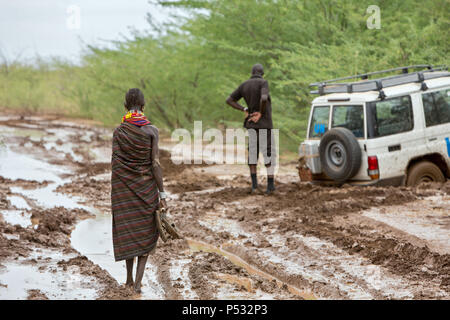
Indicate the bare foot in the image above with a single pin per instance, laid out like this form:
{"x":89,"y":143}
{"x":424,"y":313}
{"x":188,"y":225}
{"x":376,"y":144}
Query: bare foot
{"x":137,"y":289}
{"x":130,"y":283}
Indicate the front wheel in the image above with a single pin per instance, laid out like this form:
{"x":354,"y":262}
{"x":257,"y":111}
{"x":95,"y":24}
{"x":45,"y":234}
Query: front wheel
{"x":424,"y":171}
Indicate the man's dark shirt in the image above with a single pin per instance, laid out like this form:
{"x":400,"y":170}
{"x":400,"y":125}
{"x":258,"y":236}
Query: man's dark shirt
{"x":252,"y":90}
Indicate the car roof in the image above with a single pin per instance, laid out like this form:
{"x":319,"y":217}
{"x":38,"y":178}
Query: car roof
{"x":361,"y":97}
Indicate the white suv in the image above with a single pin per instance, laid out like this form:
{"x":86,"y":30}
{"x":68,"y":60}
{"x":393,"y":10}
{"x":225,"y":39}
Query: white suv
{"x":386,"y":131}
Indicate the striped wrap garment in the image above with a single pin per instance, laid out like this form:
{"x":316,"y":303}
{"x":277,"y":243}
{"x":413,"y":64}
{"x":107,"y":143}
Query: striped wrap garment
{"x":134,"y":193}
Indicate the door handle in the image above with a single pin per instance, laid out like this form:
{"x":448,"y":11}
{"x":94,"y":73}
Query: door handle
{"x":396,"y":147}
{"x":432,"y":139}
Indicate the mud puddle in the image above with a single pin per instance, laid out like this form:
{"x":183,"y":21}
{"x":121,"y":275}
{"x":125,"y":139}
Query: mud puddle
{"x":35,"y":256}
{"x":20,"y":276}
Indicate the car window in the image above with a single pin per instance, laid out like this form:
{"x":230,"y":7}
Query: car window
{"x":350,"y":117}
{"x":319,"y":121}
{"x":389,"y":116}
{"x":437,"y":107}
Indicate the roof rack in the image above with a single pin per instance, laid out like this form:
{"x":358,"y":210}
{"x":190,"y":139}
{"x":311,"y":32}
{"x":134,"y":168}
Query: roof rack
{"x":425,"y":72}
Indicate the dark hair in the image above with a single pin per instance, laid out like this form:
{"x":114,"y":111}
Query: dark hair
{"x":134,"y":99}
{"x":258,"y":70}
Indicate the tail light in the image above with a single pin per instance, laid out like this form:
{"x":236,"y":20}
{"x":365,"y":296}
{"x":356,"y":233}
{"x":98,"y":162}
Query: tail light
{"x":373,"y":170}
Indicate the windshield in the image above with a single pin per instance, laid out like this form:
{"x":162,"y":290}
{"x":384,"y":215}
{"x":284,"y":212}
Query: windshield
{"x":350,"y":117}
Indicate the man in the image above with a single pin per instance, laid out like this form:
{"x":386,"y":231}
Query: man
{"x":258,"y":121}
{"x":136,"y":187}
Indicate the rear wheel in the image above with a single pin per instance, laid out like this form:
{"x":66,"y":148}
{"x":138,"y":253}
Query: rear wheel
{"x":424,"y":171}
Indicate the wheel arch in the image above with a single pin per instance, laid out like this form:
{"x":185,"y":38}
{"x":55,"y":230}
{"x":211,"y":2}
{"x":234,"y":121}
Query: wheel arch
{"x":435,"y":158}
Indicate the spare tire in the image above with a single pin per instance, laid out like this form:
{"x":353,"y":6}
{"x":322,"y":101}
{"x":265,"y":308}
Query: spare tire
{"x":340,"y":154}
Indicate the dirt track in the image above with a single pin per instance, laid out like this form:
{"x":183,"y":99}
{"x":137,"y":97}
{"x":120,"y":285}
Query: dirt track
{"x":303,"y":242}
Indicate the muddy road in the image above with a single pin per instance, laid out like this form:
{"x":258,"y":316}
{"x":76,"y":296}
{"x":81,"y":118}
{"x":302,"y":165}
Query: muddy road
{"x":304,"y":242}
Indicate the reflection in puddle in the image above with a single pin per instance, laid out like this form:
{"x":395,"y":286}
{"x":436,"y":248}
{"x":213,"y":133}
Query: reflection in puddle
{"x":47,"y":197}
{"x":101,"y":155}
{"x":65,"y":148}
{"x":19,"y":217}
{"x":18,"y":202}
{"x":18,"y":277}
{"x":32,"y":133}
{"x":16,"y":166}
{"x":22,"y":166}
{"x":21,"y":278}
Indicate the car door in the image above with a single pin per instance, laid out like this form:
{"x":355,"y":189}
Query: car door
{"x":395,"y":134}
{"x":436,"y":109}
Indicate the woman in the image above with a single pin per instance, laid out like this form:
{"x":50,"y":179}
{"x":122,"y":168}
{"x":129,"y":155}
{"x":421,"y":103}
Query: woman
{"x":137,"y":189}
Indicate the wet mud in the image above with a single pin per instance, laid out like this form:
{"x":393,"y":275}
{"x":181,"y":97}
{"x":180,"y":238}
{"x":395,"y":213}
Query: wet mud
{"x":302,"y":242}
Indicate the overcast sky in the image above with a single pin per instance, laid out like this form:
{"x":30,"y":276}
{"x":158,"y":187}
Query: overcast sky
{"x":55,"y":27}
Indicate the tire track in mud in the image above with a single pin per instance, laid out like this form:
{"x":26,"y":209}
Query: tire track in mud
{"x":199,"y":282}
{"x":163,"y":264}
{"x":317,"y":271}
{"x":229,"y":278}
{"x":368,"y":278}
{"x":346,"y":276}
{"x":179,"y":275}
{"x":424,"y":223}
